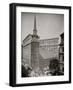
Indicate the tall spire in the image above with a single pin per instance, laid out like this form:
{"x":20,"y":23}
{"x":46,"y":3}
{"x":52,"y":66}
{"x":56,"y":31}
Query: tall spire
{"x":35,"y":22}
{"x":35,"y":29}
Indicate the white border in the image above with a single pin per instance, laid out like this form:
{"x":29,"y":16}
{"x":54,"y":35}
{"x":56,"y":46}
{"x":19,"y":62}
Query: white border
{"x":20,"y":80}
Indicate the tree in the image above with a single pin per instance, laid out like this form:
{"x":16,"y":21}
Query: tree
{"x":54,"y":64}
{"x":26,"y":71}
{"x":54,"y":67}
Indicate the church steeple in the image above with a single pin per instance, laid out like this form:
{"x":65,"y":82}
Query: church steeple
{"x":35,"y":28}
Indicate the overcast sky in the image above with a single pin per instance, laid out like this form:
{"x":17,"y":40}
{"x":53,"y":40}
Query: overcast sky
{"x":48,"y":25}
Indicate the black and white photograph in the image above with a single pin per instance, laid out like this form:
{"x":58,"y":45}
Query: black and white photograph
{"x":42,"y":44}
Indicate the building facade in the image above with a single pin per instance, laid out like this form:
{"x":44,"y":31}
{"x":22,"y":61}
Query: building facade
{"x":61,"y":52}
{"x":51,"y":45}
{"x":48,"y":49}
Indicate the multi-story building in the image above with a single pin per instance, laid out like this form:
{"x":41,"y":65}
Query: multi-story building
{"x":48,"y":49}
{"x":30,"y":49}
{"x":61,"y":52}
{"x":50,"y":44}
